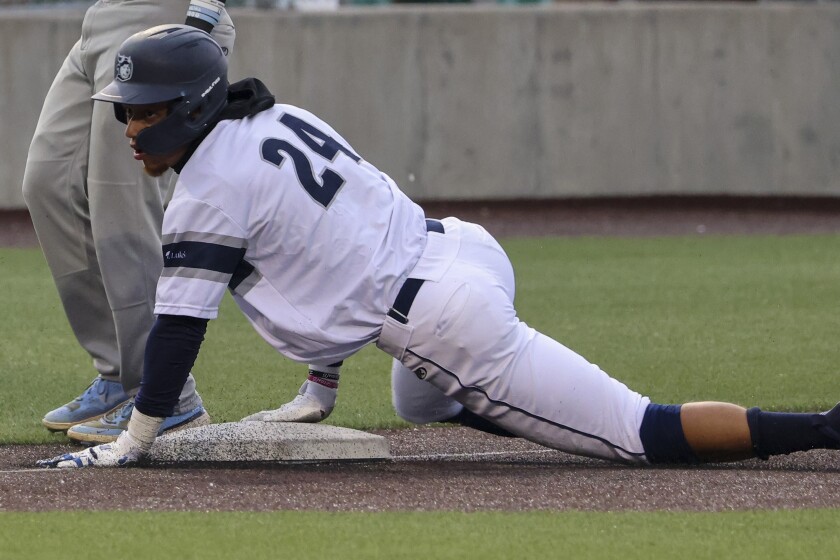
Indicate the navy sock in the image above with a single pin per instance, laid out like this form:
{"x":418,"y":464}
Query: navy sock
{"x":779,"y":433}
{"x":662,"y":435}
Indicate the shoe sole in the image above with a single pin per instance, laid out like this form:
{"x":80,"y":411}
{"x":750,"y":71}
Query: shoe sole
{"x":197,"y":422}
{"x":311,"y":417}
{"x":97,"y":439}
{"x":64,"y":426}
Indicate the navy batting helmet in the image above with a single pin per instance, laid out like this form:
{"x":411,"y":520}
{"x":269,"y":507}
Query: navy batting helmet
{"x":174,"y":63}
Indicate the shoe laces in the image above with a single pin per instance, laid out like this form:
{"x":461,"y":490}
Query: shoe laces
{"x":95,"y":385}
{"x":123,"y":411}
{"x":98,"y":386}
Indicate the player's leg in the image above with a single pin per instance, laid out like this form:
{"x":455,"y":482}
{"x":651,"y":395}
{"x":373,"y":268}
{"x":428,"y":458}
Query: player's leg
{"x":126,"y":212}
{"x":467,"y":341}
{"x":542,"y":391}
{"x":718,"y":431}
{"x":419,"y":402}
{"x":54,"y":187}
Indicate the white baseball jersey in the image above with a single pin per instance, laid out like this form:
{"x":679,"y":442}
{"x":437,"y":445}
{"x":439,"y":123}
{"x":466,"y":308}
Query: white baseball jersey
{"x":270,"y":207}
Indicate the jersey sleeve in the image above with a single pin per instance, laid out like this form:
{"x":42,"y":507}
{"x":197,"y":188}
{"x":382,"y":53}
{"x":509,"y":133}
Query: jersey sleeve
{"x":203,"y":249}
{"x":171,"y":351}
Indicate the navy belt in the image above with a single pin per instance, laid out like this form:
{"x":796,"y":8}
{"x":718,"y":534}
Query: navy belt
{"x":402,"y":305}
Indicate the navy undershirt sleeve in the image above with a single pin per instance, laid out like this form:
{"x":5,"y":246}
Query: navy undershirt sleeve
{"x":171,"y":351}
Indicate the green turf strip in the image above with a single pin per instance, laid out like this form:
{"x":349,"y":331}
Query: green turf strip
{"x":747,"y":319}
{"x":790,"y":535}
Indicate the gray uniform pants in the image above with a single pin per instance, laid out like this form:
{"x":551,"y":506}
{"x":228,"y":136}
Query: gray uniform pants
{"x":97,"y":215}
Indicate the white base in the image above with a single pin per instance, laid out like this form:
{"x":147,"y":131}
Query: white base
{"x":268,"y":441}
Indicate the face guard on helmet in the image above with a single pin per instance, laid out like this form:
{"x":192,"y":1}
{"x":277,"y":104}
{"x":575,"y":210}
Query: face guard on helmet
{"x":174,"y":63}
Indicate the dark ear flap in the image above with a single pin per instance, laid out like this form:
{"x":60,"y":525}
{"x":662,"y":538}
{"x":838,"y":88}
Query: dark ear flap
{"x":177,"y":129}
{"x":119,"y":112}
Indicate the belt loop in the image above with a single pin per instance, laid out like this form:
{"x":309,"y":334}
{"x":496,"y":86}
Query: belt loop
{"x":435,"y":226}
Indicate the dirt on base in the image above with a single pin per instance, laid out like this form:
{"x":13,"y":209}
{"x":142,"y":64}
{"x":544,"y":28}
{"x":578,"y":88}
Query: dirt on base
{"x":459,"y":468}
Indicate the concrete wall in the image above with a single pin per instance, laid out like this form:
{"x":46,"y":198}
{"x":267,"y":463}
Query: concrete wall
{"x":536,"y":102}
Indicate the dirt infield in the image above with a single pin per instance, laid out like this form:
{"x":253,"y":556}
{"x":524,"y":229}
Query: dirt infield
{"x":433,"y":468}
{"x":457,"y":468}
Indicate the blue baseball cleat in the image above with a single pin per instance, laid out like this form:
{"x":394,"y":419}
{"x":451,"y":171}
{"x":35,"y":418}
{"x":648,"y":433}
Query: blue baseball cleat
{"x":101,"y":397}
{"x":109,"y":427}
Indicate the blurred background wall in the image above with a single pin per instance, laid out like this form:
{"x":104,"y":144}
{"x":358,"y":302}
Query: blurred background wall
{"x":492,"y":101}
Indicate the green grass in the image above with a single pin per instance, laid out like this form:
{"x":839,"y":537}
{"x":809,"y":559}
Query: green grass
{"x":746,"y":319}
{"x":459,"y":536}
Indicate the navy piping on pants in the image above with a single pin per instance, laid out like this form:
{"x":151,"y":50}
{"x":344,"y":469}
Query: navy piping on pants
{"x":525,"y":412}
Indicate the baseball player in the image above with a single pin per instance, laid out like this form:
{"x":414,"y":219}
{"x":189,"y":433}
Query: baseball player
{"x":98,"y":219}
{"x":324,"y":255}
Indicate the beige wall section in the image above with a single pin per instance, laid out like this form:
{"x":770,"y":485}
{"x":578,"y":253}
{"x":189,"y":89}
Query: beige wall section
{"x":33,"y":44}
{"x":554,"y":101}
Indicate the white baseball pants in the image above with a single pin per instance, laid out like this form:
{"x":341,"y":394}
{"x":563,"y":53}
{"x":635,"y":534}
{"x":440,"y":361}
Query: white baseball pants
{"x":465,"y":341}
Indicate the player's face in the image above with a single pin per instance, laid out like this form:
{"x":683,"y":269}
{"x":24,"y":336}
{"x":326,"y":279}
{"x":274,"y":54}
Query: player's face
{"x":140,"y":117}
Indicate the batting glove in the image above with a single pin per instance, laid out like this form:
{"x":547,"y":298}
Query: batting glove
{"x":125,"y":451}
{"x":303,"y":408}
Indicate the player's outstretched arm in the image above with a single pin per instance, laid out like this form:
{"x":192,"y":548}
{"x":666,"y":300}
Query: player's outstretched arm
{"x":314,"y":402}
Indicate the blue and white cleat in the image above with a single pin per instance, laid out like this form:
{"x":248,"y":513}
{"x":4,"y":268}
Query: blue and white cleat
{"x":101,"y":397}
{"x":108,"y":428}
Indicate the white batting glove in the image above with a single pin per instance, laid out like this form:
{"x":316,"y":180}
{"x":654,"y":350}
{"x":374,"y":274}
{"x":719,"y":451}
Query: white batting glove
{"x":304,"y":408}
{"x":123,"y":452}
{"x":132,"y":445}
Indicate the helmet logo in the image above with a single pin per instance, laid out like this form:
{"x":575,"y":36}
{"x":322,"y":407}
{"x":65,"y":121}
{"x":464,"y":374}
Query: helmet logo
{"x":125,"y":68}
{"x":211,"y":86}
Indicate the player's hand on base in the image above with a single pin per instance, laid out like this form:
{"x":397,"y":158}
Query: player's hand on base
{"x":123,"y":452}
{"x":303,"y":408}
